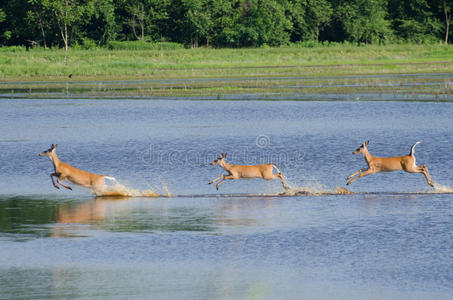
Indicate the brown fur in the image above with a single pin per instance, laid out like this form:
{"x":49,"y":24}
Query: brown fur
{"x":388,"y":164}
{"x":246,"y":171}
{"x":64,"y":171}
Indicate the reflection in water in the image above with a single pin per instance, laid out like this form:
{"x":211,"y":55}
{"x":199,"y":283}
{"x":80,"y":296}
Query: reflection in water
{"x":238,"y":212}
{"x":229,"y":247}
{"x":85,"y":213}
{"x":126,"y":214}
{"x":22,"y":218}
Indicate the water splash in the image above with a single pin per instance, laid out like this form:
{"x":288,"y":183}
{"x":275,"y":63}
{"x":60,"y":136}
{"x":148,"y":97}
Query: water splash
{"x":316,"y":190}
{"x":442,"y":189}
{"x":167,"y":190}
{"x":165,"y":187}
{"x":121,"y":190}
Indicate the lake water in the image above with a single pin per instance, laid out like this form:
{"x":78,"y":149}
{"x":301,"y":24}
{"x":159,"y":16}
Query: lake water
{"x":390,"y":239}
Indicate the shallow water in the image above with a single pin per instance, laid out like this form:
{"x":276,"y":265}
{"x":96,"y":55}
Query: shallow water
{"x":390,"y":239}
{"x":377,"y":87}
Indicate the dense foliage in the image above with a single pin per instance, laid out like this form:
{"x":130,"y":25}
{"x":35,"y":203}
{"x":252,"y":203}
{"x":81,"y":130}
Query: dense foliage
{"x":222,"y":23}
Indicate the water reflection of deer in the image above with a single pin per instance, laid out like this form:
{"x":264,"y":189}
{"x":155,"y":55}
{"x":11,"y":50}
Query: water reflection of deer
{"x":232,"y":213}
{"x":237,"y":211}
{"x":90,"y":213}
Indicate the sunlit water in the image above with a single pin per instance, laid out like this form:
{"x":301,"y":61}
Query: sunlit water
{"x":178,"y":237}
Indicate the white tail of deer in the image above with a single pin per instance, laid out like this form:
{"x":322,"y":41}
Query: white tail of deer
{"x":64,"y":171}
{"x":240,"y":171}
{"x":388,"y":164}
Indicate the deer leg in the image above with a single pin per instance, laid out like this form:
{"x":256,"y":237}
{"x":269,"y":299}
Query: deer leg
{"x":68,"y":187}
{"x":53,"y":182}
{"x":214,"y":180}
{"x":421,"y":169}
{"x":223,"y":179}
{"x":424,"y":169}
{"x":356,"y":173}
{"x":367,"y":172}
{"x":282,"y":179}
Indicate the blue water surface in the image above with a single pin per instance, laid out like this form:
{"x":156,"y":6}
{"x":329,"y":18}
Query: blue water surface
{"x":391,"y":239}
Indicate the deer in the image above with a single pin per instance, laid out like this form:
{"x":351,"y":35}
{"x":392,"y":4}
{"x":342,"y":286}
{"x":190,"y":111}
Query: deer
{"x":64,"y":171}
{"x":388,"y":164}
{"x":246,"y":171}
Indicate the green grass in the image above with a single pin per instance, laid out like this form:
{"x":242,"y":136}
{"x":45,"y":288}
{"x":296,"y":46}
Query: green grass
{"x":320,"y":62}
{"x":45,"y":64}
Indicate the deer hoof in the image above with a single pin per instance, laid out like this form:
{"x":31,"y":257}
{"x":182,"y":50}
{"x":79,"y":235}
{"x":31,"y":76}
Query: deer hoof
{"x":56,"y":186}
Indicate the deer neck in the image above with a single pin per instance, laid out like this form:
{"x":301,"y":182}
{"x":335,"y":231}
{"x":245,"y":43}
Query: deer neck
{"x":55,"y":160}
{"x":226,"y":166}
{"x":367,"y":155}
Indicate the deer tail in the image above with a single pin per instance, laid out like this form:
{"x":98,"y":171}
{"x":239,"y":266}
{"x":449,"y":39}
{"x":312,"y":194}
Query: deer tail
{"x":412,"y":148}
{"x":111,"y":178}
{"x":276,"y":167}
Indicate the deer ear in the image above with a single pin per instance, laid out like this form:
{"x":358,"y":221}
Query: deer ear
{"x":223,"y":155}
{"x":366,"y":143}
{"x":56,"y":146}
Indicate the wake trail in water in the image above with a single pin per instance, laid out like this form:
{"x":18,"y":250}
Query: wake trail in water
{"x":122,"y":190}
{"x":442,"y":189}
{"x":317,"y":190}
{"x":118,"y":189}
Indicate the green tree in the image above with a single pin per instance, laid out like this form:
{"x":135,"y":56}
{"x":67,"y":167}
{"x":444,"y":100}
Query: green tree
{"x":5,"y":33}
{"x":263,"y":22}
{"x":69,"y":14}
{"x":159,"y":18}
{"x":138,"y":19}
{"x":296,"y":13}
{"x":198,"y":20}
{"x":14,"y":29}
{"x":39,"y":18}
{"x":364,"y":21}
{"x":233,"y":23}
{"x":224,"y":17}
{"x":308,"y":18}
{"x":319,"y":13}
{"x":446,"y":6}
{"x":103,"y":26}
{"x":413,"y":20}
{"x":147,"y":18}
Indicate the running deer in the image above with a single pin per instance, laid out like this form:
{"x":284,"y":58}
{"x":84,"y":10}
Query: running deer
{"x":389,"y":164}
{"x":242,"y":172}
{"x":64,"y":171}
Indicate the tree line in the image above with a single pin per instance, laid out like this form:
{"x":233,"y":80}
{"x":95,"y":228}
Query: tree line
{"x":222,"y":23}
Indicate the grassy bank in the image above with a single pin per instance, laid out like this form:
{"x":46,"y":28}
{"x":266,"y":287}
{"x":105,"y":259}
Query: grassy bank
{"x":249,"y":70}
{"x":41,"y":64}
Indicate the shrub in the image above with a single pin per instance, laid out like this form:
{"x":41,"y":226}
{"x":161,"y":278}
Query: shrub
{"x":142,"y":45}
{"x":13,"y":49}
{"x":88,"y":44}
